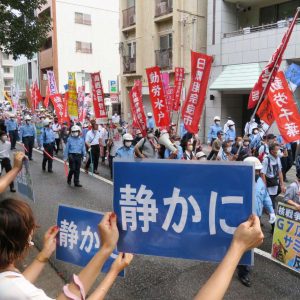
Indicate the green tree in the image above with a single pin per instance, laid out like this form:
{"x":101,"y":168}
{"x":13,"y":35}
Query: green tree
{"x":22,"y":32}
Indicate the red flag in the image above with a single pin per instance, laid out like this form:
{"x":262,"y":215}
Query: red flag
{"x":137,"y":109}
{"x":262,"y":86}
{"x":66,"y":117}
{"x":179,"y":77}
{"x":193,"y":106}
{"x":58,"y":104}
{"x":36,"y":95}
{"x":47,"y":98}
{"x":157,"y":96}
{"x":265,"y":112}
{"x":98,"y":96}
{"x":28,"y":96}
{"x":285,"y":109}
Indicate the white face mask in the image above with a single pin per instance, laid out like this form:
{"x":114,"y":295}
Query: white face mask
{"x":75,"y":134}
{"x":255,"y":132}
{"x":279,"y":154}
{"x":128,"y":144}
{"x":246,"y":144}
{"x":218,"y":122}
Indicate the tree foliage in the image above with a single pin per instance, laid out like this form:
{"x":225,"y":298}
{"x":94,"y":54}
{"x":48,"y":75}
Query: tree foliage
{"x":22,"y":32}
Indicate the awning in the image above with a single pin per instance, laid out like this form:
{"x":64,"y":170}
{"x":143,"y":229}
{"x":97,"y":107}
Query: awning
{"x":237,"y":78}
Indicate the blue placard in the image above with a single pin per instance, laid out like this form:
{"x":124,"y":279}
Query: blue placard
{"x":181,"y":209}
{"x":78,"y":238}
{"x":24,"y":182}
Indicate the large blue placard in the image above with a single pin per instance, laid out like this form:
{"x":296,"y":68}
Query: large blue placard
{"x":78,"y":238}
{"x":181,"y":209}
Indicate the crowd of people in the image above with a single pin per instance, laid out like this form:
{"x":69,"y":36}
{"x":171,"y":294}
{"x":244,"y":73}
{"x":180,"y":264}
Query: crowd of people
{"x":87,"y":143}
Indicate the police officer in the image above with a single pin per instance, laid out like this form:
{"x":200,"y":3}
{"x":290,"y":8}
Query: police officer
{"x":150,"y":121}
{"x":12,"y":130}
{"x":127,"y":151}
{"x":75,"y":152}
{"x":47,"y":140}
{"x":27,"y":136}
{"x":230,"y":134}
{"x":214,"y":129}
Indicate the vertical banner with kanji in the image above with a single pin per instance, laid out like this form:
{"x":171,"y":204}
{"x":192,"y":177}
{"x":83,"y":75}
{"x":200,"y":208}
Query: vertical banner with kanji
{"x":137,"y":109}
{"x":170,"y":98}
{"x":157,"y":97}
{"x":98,"y":97}
{"x":58,"y":104}
{"x":265,"y":112}
{"x":72,"y":102}
{"x":66,"y":117}
{"x":52,"y":83}
{"x":179,"y":77}
{"x":78,"y":237}
{"x":80,"y":100}
{"x":286,"y":237}
{"x":24,"y":182}
{"x":193,"y":106}
{"x":284,"y":109}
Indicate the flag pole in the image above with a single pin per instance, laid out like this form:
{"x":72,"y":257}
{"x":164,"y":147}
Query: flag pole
{"x":275,"y":65}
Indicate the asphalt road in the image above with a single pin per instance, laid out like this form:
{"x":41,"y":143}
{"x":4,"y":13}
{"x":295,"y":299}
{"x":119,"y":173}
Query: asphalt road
{"x":150,"y":277}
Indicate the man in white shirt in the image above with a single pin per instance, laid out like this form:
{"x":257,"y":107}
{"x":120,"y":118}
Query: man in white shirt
{"x":103,"y":141}
{"x":56,"y":129}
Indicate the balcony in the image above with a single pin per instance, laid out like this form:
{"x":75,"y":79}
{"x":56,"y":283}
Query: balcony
{"x":129,"y":17}
{"x":164,"y":58}
{"x":163,"y":7}
{"x":129,"y":64}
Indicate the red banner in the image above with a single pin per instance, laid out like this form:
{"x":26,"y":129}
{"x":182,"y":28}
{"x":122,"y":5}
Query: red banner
{"x":80,"y":101}
{"x":137,"y":109}
{"x":47,"y":98}
{"x":157,"y":96}
{"x":36,"y":95}
{"x":265,"y":112}
{"x":58,"y":104}
{"x":179,"y":77}
{"x":66,"y":117}
{"x":193,"y":106}
{"x":285,"y":109}
{"x":271,"y":68}
{"x":28,"y":96}
{"x":98,"y":96}
{"x":170,"y":98}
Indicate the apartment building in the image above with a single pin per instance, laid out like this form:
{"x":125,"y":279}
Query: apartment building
{"x":158,"y":32}
{"x":84,"y":39}
{"x":6,"y":73}
{"x":242,"y":35}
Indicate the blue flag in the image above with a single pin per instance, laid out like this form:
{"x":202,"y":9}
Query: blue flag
{"x":292,"y":74}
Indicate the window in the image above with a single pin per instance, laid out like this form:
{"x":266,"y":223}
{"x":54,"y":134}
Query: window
{"x":84,"y":19}
{"x":166,"y":42}
{"x":132,"y":49}
{"x":5,"y":56}
{"x":6,"y":70}
{"x":83,"y":47}
{"x":48,"y":44}
{"x":7,"y":82}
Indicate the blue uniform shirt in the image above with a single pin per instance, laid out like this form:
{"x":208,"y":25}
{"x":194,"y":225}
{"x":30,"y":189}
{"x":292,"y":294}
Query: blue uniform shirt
{"x":47,"y":136}
{"x":214,"y":129}
{"x":11,"y":125}
{"x":179,"y":154}
{"x":255,"y":141}
{"x":75,"y":145}
{"x":230,"y":135}
{"x":27,"y":130}
{"x":125,"y":152}
{"x":262,"y":198}
{"x":150,"y":123}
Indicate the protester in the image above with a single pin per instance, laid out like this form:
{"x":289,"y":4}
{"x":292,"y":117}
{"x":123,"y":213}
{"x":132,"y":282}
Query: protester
{"x":241,"y":148}
{"x":18,"y":226}
{"x":189,"y":153}
{"x":92,"y":142}
{"x":214,"y":129}
{"x":12,"y":130}
{"x":292,"y":194}
{"x":127,"y":150}
{"x":246,"y":237}
{"x":5,"y":157}
{"x":264,"y":148}
{"x":147,"y":147}
{"x":48,"y":141}
{"x":115,"y":118}
{"x":27,"y":136}
{"x":168,"y":154}
{"x":56,"y":129}
{"x":113,"y":145}
{"x":75,"y":153}
{"x":201,"y":156}
{"x":138,"y":137}
{"x":64,"y":134}
{"x":225,"y":152}
{"x":216,"y":146}
{"x":103,"y":142}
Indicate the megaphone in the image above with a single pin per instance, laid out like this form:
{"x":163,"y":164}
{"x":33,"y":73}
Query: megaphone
{"x":164,"y":140}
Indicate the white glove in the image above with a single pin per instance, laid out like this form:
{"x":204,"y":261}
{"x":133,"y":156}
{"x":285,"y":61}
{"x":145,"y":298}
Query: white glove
{"x":272,"y":218}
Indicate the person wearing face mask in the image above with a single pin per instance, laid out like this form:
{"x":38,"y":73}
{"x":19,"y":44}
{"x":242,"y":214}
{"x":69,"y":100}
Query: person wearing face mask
{"x":56,"y":129}
{"x":189,"y":153}
{"x":213,"y":131}
{"x":138,"y":137}
{"x":216,"y":146}
{"x":127,"y":150}
{"x":47,"y":140}
{"x":64,"y":134}
{"x":39,"y":126}
{"x":225,"y":152}
{"x":264,"y":148}
{"x":74,"y":152}
{"x":168,"y":154}
{"x":250,"y":126}
{"x":113,"y":145}
{"x":4,"y":157}
{"x":150,"y":121}
{"x":255,"y":139}
{"x":147,"y":147}
{"x":12,"y":130}
{"x":241,"y":148}
{"x":230,"y":134}
{"x":27,"y":136}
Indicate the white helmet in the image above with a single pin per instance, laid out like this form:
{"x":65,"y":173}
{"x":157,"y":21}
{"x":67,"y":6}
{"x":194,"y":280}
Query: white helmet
{"x":217,"y":118}
{"x":200,"y":154}
{"x":75,"y":128}
{"x":27,"y":118}
{"x":46,"y":122}
{"x":255,"y":160}
{"x":127,"y":137}
{"x":230,"y":123}
{"x":149,"y":114}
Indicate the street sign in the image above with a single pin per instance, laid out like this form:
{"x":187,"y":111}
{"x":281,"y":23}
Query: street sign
{"x":78,"y":239}
{"x":181,"y":209}
{"x":24,"y":182}
{"x":112,"y":87}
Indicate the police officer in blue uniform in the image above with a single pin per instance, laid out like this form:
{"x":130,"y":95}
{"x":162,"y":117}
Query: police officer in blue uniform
{"x":127,"y":151}
{"x":47,"y":140}
{"x":75,"y":152}
{"x":150,"y":121}
{"x":230,"y":134}
{"x":214,"y":129}
{"x":27,"y":136}
{"x":12,"y":130}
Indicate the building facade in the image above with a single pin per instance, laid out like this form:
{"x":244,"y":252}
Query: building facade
{"x":162,"y":33}
{"x":242,"y":36}
{"x":6,"y":73}
{"x":84,"y":40}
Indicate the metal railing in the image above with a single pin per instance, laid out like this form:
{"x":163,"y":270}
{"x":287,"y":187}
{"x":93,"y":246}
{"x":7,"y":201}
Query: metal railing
{"x":129,"y":17}
{"x":248,"y":30}
{"x":163,"y":7}
{"x":164,"y":58}
{"x":129,"y":64}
